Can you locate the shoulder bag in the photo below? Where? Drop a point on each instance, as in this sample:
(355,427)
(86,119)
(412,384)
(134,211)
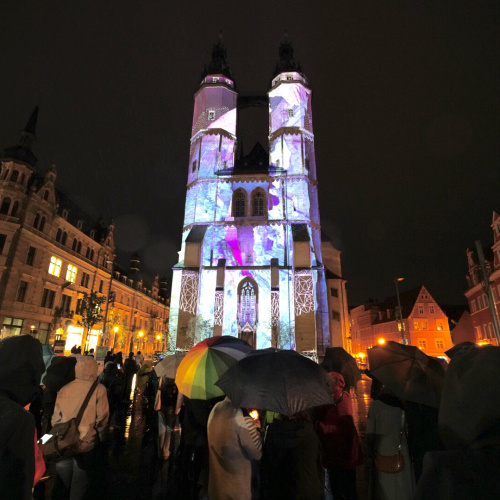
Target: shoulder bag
(65,441)
(392,464)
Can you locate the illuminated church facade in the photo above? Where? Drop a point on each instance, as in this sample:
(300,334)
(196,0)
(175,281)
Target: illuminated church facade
(251,262)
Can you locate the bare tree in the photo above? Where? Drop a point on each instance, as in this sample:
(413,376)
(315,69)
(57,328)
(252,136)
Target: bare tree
(90,310)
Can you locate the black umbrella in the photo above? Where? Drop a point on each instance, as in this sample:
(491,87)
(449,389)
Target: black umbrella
(60,372)
(277,380)
(460,348)
(407,372)
(339,360)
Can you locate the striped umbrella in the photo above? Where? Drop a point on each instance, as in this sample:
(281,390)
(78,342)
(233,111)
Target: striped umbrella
(205,363)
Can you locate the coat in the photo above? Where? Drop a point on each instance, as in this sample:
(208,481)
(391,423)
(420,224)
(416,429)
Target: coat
(21,366)
(291,462)
(382,433)
(339,438)
(235,446)
(70,399)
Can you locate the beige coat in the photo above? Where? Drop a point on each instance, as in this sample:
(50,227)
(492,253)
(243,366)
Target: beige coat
(70,398)
(235,446)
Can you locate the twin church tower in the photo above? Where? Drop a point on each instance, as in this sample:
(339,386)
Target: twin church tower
(251,261)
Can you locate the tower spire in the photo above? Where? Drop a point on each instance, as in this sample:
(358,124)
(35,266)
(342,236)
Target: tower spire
(218,65)
(27,136)
(286,61)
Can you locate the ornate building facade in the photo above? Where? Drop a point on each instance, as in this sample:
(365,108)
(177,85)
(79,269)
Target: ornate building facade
(483,314)
(251,257)
(52,253)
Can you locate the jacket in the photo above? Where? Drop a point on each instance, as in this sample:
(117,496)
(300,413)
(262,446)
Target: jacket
(235,446)
(70,399)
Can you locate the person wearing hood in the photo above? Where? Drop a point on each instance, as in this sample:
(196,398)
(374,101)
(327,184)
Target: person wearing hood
(21,366)
(72,475)
(340,441)
(469,426)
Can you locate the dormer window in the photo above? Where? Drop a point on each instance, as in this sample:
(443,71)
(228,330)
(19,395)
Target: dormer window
(92,233)
(79,224)
(215,80)
(65,214)
(211,115)
(289,78)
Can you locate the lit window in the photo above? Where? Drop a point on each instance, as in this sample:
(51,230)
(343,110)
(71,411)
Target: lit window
(290,113)
(211,115)
(71,273)
(55,266)
(247,304)
(424,325)
(439,344)
(416,325)
(422,343)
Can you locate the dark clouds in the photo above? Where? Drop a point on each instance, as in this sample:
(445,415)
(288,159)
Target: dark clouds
(405,115)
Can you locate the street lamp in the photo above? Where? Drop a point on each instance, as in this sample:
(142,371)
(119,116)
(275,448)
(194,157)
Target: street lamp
(115,329)
(141,334)
(399,316)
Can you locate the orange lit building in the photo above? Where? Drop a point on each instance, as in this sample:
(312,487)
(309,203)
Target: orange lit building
(425,324)
(480,312)
(52,252)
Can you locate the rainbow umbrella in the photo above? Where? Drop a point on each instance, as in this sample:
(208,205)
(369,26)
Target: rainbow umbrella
(205,363)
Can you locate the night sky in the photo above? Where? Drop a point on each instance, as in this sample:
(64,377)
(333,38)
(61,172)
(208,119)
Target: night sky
(405,111)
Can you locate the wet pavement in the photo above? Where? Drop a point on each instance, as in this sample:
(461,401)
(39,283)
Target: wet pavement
(128,466)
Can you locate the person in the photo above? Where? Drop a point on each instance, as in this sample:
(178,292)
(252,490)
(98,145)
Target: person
(130,368)
(109,357)
(91,352)
(168,405)
(340,441)
(235,447)
(74,474)
(74,349)
(113,380)
(291,460)
(139,359)
(385,429)
(469,426)
(21,366)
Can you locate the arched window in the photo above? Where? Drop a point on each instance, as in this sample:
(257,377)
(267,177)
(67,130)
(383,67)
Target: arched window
(36,221)
(258,202)
(87,253)
(79,247)
(4,208)
(73,246)
(59,235)
(248,303)
(42,224)
(22,179)
(14,176)
(92,255)
(239,203)
(64,238)
(15,209)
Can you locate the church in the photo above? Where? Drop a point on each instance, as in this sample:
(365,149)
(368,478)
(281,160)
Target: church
(251,263)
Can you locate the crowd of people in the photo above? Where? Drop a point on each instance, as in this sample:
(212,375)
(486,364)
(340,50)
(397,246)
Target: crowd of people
(227,452)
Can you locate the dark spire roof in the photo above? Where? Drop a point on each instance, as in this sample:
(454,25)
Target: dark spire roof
(286,61)
(218,65)
(255,161)
(22,151)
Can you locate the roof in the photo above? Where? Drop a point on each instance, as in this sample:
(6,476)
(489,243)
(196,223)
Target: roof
(218,65)
(407,299)
(286,61)
(257,161)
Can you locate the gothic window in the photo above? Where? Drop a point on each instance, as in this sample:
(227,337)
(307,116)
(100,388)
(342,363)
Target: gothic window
(4,209)
(15,209)
(248,303)
(59,235)
(14,176)
(42,224)
(79,247)
(239,203)
(64,238)
(73,246)
(36,221)
(258,202)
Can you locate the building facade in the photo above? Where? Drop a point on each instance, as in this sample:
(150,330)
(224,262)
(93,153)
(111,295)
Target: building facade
(481,313)
(425,324)
(251,261)
(52,253)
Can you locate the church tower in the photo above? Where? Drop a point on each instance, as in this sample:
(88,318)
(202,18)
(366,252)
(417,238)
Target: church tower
(250,263)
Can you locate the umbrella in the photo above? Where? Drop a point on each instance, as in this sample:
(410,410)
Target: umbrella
(60,372)
(167,367)
(460,348)
(339,360)
(407,372)
(277,380)
(205,363)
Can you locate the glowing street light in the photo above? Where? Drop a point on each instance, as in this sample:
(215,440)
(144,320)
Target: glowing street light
(399,315)
(381,341)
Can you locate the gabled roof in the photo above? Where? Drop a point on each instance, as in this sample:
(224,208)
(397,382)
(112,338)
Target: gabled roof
(407,299)
(257,161)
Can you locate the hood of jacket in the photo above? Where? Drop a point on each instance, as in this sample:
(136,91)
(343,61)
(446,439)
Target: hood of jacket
(21,367)
(85,368)
(339,384)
